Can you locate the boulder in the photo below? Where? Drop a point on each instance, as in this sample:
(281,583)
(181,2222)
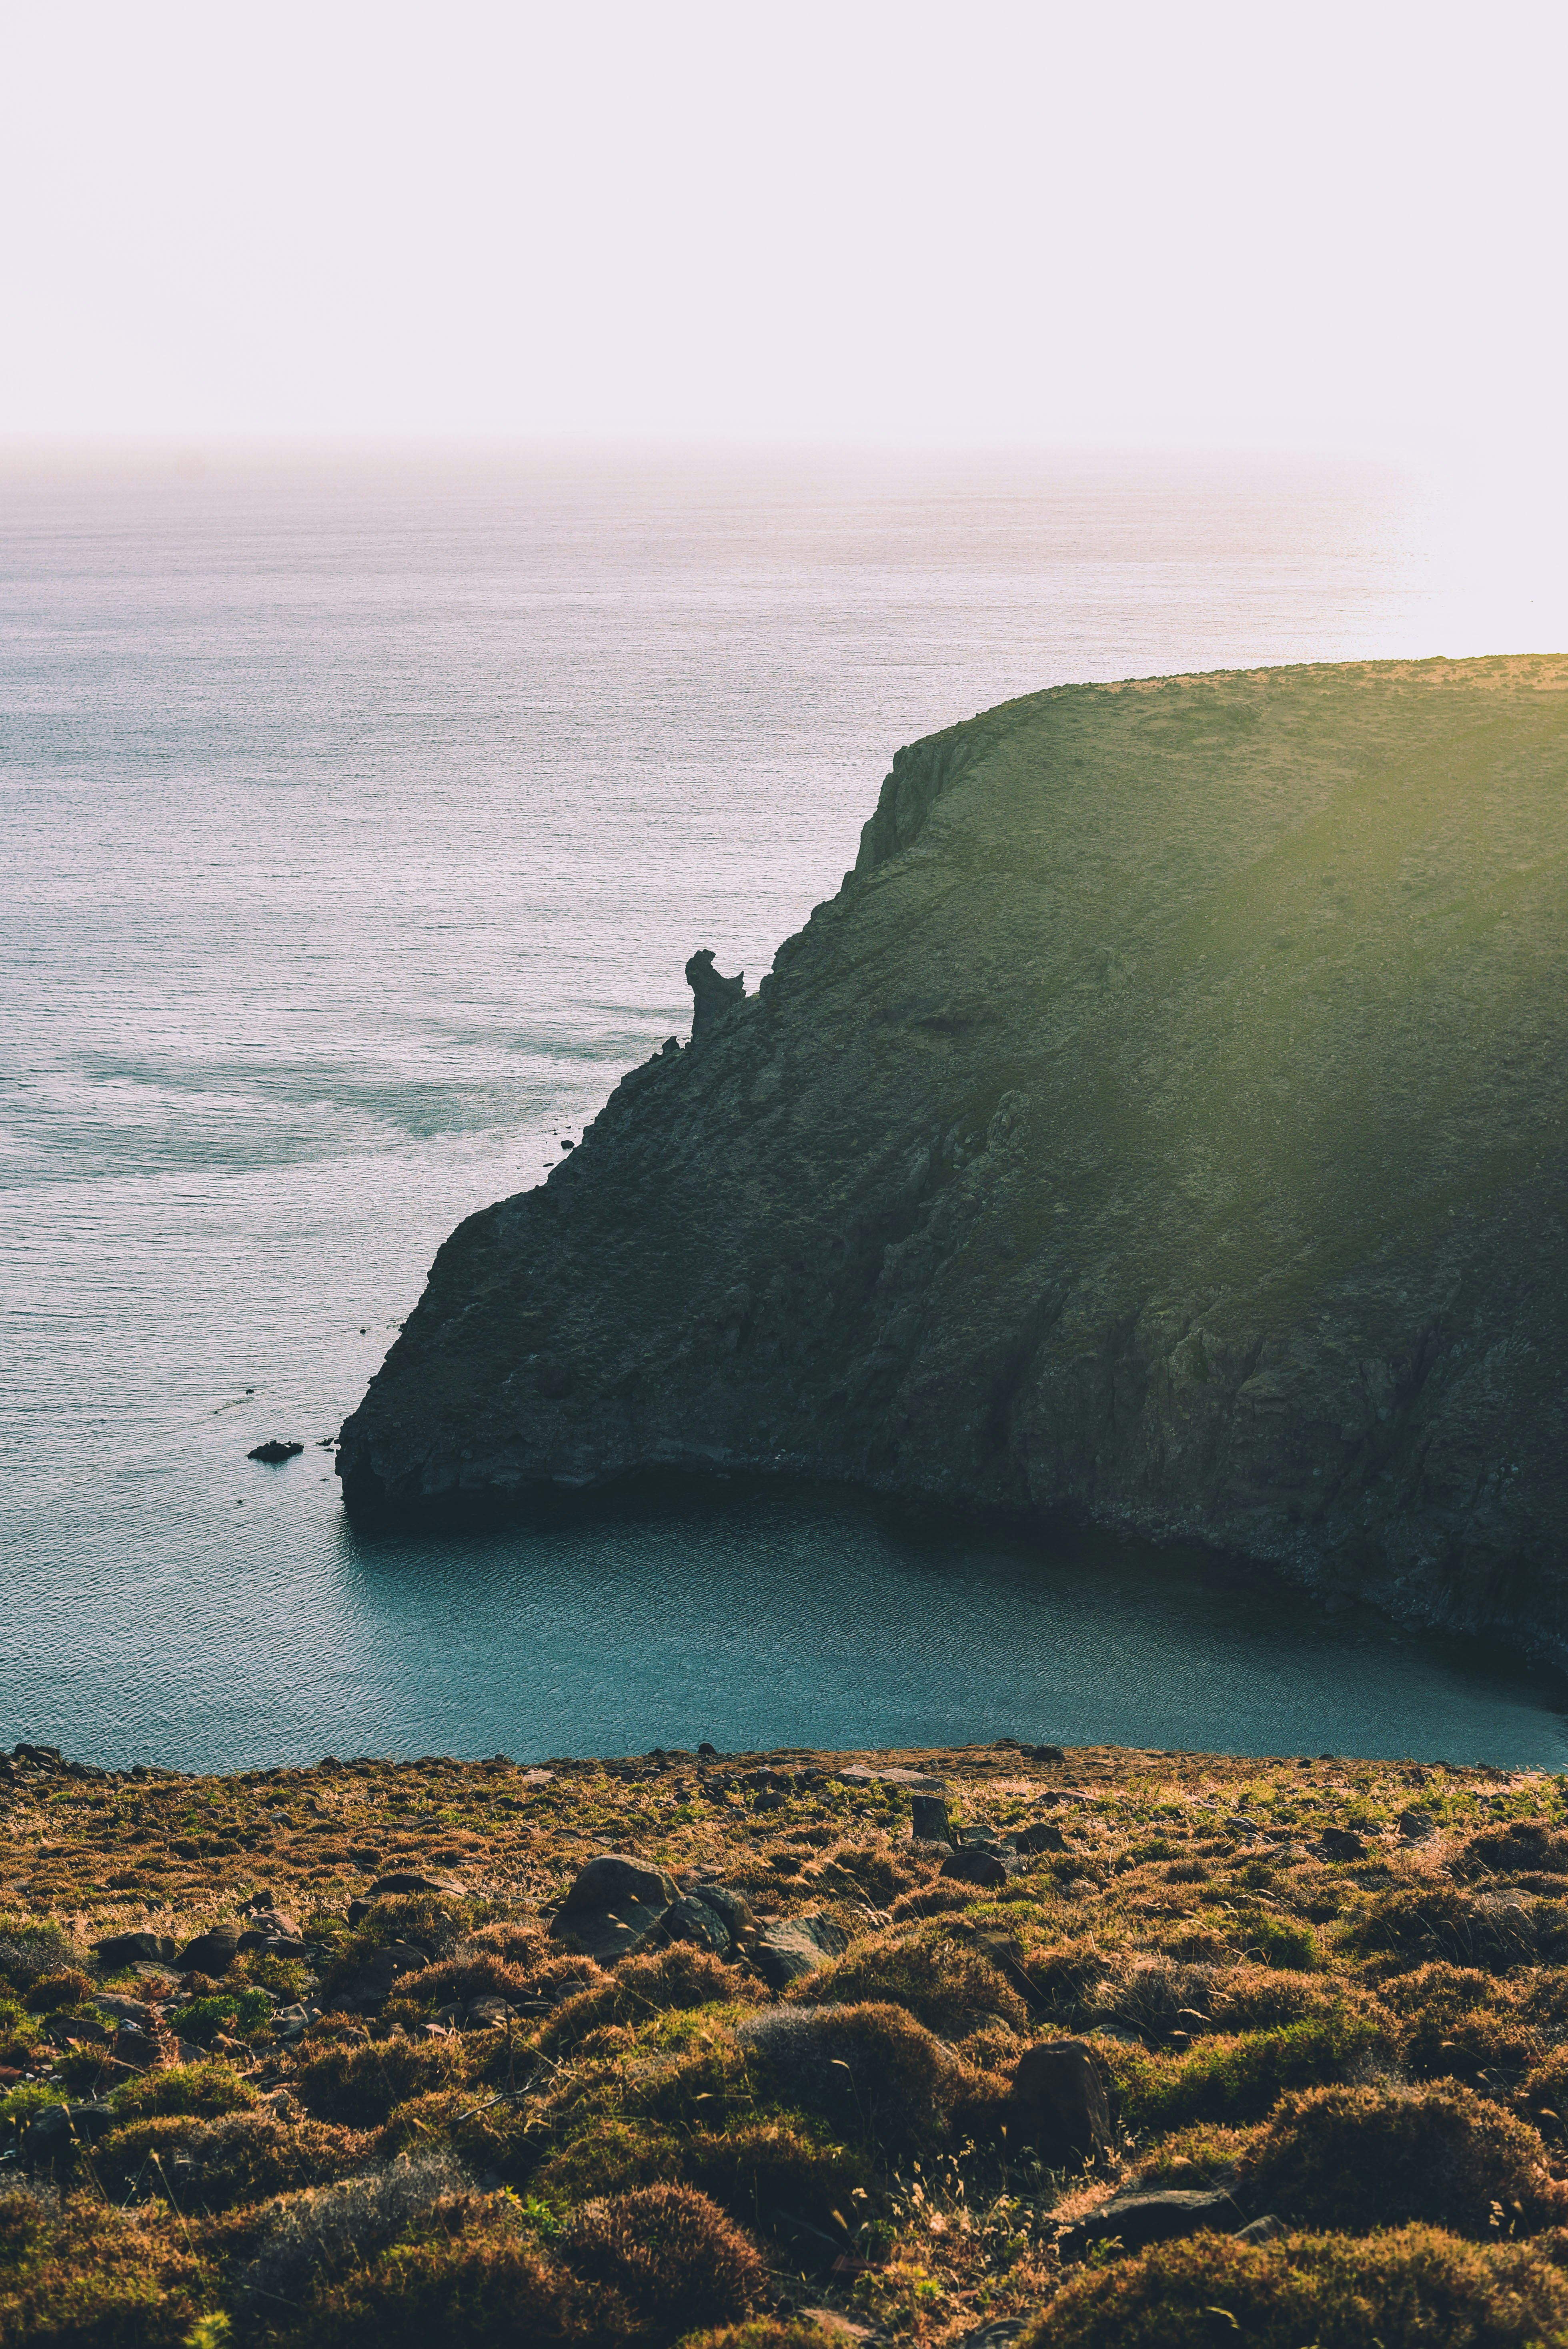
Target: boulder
(1415,1826)
(613,1908)
(374,1982)
(212,1952)
(1340,1843)
(798,1946)
(1140,2220)
(53,2134)
(274,1451)
(971,1863)
(1058,2101)
(691,1919)
(136,1949)
(929,1819)
(1043,1835)
(615,1880)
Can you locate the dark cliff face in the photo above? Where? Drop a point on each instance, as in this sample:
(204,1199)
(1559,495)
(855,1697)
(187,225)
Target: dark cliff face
(1165,1121)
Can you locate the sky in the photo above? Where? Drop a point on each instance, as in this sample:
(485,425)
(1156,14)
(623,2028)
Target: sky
(1337,228)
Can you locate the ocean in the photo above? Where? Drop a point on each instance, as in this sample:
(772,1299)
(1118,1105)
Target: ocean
(360,813)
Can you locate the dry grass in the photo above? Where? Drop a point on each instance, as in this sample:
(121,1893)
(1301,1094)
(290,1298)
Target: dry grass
(1373,2043)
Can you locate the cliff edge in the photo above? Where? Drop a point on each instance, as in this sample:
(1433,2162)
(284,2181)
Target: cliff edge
(1164,1122)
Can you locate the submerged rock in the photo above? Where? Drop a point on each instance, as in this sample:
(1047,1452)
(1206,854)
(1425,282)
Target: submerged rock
(1164,1122)
(273,1450)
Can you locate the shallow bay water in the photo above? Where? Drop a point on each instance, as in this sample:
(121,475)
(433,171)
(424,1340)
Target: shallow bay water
(360,817)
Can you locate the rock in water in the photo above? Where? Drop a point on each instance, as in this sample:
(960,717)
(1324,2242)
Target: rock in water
(1163,1122)
(274,1451)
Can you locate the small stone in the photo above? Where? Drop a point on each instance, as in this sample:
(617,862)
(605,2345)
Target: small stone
(410,1880)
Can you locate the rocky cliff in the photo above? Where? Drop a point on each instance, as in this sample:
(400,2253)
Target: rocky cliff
(1164,1122)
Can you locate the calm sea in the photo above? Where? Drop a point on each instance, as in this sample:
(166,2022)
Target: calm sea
(358,820)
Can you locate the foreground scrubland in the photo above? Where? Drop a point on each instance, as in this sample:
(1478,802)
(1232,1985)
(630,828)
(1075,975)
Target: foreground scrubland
(789,2099)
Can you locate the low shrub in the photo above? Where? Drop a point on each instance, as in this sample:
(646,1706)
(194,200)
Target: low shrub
(782,2163)
(611,2156)
(939,1899)
(1359,2158)
(873,2073)
(484,2285)
(433,1921)
(28,1949)
(1411,1928)
(491,2136)
(768,2333)
(310,2235)
(361,2082)
(237,2014)
(1416,2289)
(48,1992)
(945,1984)
(1264,1998)
(1204,2154)
(88,2277)
(200,2090)
(670,2253)
(243,2158)
(1237,2078)
(679,1979)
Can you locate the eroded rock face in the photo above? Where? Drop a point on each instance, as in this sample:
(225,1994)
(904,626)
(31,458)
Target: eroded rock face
(1163,1122)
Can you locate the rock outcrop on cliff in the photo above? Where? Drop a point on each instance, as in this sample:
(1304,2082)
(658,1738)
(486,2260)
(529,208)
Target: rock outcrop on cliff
(1165,1122)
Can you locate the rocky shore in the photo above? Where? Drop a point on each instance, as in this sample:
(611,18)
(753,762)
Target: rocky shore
(784,2051)
(1163,1124)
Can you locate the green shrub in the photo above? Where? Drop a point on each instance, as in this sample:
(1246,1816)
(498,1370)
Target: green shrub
(947,1985)
(670,2253)
(1414,2290)
(491,2136)
(1359,2158)
(236,2013)
(200,2090)
(1239,2078)
(611,2156)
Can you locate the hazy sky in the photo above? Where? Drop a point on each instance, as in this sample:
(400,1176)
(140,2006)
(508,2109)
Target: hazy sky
(1335,227)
